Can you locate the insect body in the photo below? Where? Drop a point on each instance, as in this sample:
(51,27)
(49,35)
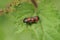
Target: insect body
(31,20)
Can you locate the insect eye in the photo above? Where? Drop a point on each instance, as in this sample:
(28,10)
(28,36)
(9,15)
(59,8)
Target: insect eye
(29,19)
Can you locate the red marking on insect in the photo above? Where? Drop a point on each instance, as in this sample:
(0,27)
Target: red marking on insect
(31,20)
(36,18)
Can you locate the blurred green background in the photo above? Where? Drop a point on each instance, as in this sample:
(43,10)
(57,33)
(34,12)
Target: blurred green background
(13,28)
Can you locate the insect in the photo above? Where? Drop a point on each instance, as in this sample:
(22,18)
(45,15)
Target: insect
(31,20)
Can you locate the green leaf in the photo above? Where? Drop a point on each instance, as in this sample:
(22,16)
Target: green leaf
(47,28)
